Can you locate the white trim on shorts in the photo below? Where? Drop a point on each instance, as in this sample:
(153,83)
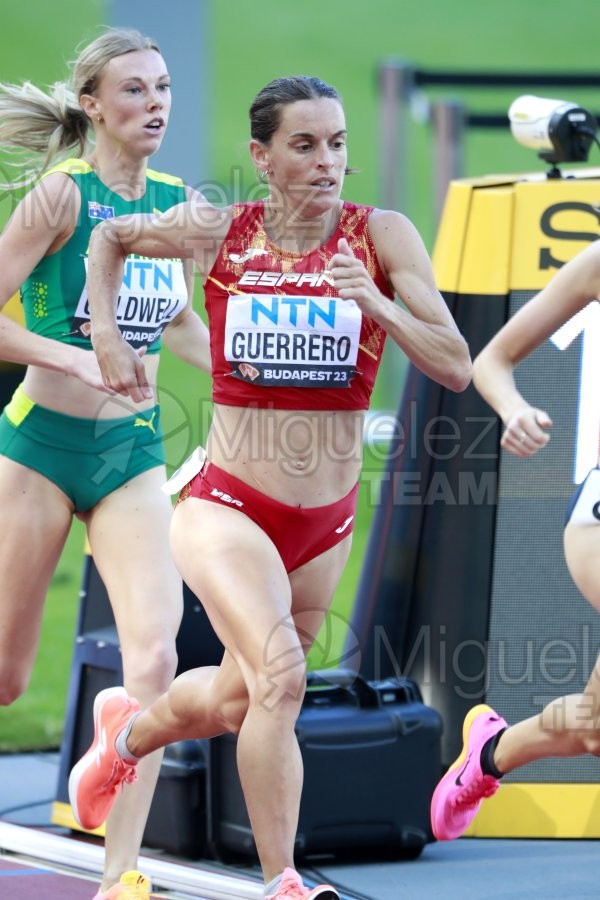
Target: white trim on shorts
(586,510)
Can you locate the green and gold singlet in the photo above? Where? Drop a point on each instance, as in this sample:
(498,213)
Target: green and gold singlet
(153,290)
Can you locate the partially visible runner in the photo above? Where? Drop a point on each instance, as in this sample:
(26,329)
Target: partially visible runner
(68,446)
(569,725)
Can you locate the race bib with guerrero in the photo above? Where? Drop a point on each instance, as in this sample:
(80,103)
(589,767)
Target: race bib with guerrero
(152,294)
(284,341)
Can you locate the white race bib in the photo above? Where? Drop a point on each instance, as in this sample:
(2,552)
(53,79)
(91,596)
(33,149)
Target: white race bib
(285,341)
(152,294)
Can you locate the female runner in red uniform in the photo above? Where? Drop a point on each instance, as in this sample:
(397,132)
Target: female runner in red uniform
(300,296)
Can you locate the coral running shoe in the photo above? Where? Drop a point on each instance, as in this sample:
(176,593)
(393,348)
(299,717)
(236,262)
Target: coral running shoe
(95,781)
(291,888)
(131,886)
(457,798)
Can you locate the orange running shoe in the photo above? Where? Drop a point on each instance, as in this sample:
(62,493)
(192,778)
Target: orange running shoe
(95,780)
(292,888)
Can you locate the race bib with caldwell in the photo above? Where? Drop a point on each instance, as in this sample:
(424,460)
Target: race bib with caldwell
(153,292)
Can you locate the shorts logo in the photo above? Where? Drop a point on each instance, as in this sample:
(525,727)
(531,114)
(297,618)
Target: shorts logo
(343,527)
(146,423)
(226,498)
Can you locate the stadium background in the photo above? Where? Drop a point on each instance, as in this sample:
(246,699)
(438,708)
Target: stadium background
(243,46)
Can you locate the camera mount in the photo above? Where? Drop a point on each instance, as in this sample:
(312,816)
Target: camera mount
(561,132)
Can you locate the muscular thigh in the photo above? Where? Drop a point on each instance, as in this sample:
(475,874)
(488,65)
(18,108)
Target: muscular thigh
(129,539)
(313,587)
(582,553)
(238,575)
(35,521)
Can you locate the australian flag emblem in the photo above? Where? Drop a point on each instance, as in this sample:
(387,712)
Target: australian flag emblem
(96,211)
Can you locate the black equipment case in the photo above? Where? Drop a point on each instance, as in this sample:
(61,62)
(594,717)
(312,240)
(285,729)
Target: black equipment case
(177,819)
(372,758)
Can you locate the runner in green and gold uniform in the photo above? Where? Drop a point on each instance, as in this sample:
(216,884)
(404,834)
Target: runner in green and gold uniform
(68,446)
(71,450)
(154,292)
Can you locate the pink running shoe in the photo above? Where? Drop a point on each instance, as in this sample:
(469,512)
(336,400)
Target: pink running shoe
(94,782)
(457,797)
(132,886)
(291,888)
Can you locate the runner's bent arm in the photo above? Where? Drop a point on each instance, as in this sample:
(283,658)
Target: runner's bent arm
(426,332)
(42,223)
(185,231)
(570,290)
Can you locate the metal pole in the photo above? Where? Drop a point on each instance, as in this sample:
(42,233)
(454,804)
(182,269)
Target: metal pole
(396,83)
(185,38)
(448,120)
(77,856)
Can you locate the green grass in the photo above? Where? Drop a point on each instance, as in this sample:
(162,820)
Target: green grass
(343,42)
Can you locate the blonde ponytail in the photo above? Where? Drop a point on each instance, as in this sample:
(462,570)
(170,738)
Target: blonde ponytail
(52,125)
(49,125)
